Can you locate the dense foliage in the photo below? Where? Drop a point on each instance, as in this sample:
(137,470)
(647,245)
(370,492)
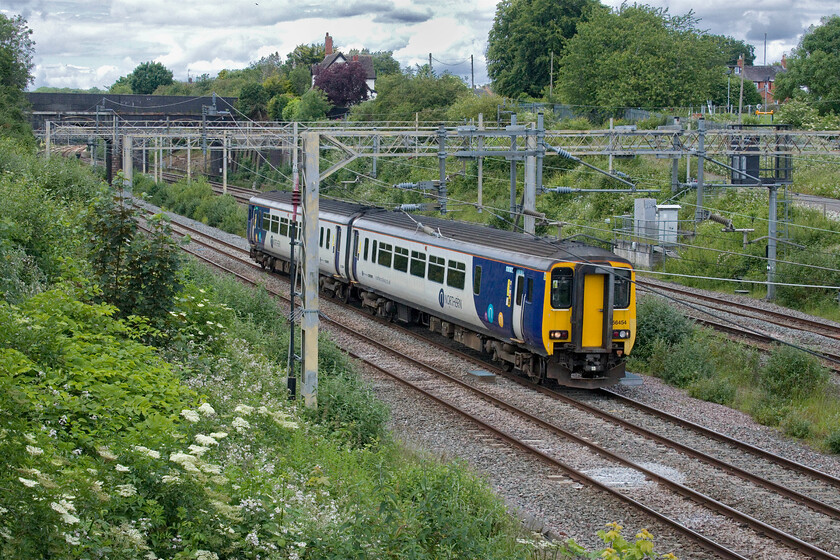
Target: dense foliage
(524,35)
(136,273)
(813,68)
(345,84)
(639,56)
(402,96)
(149,76)
(16,50)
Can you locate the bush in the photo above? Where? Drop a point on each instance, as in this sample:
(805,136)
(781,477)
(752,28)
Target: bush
(136,273)
(715,389)
(833,441)
(792,373)
(796,426)
(346,405)
(658,320)
(686,363)
(769,411)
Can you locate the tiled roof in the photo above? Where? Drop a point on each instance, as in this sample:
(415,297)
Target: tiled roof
(762,73)
(364,59)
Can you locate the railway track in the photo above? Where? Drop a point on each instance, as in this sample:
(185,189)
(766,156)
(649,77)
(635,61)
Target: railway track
(826,485)
(748,311)
(720,305)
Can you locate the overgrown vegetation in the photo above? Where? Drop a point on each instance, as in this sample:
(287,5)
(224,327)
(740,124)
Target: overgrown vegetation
(195,199)
(787,388)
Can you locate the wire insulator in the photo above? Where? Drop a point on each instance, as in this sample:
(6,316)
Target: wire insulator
(563,153)
(721,220)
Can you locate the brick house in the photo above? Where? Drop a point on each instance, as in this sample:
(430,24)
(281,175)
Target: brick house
(333,57)
(764,77)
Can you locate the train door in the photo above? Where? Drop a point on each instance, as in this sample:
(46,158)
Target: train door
(339,266)
(592,333)
(252,223)
(518,301)
(593,308)
(353,256)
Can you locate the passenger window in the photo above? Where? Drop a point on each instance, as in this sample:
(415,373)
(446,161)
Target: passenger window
(418,264)
(401,259)
(436,269)
(329,230)
(477,280)
(321,238)
(384,258)
(520,284)
(621,293)
(456,274)
(561,288)
(367,243)
(284,227)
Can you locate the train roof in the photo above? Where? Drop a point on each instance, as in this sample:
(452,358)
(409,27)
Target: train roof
(465,232)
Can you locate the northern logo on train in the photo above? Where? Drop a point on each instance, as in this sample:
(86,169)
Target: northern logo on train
(440,298)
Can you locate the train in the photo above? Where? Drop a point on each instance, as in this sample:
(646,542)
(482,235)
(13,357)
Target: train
(552,309)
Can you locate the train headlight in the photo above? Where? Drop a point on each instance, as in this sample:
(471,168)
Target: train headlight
(622,334)
(558,335)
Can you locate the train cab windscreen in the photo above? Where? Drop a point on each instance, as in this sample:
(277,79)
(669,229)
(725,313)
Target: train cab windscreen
(621,295)
(561,288)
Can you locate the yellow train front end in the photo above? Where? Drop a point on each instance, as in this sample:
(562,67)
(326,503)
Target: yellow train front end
(589,322)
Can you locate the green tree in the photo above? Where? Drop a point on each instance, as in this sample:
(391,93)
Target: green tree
(276,85)
(813,68)
(313,106)
(735,48)
(136,273)
(639,56)
(305,55)
(253,100)
(290,110)
(122,85)
(300,80)
(146,78)
(16,50)
(523,36)
(277,104)
(400,96)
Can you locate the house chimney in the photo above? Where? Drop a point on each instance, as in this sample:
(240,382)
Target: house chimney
(328,46)
(355,58)
(741,62)
(784,61)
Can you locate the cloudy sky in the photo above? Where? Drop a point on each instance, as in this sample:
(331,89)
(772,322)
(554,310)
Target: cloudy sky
(93,42)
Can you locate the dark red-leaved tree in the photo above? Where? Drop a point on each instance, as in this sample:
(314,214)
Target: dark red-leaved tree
(344,83)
